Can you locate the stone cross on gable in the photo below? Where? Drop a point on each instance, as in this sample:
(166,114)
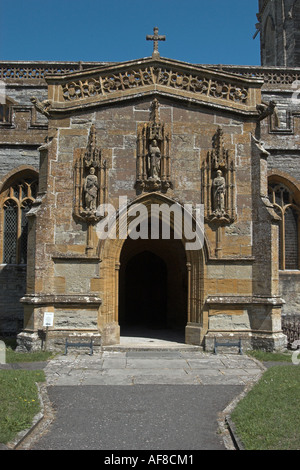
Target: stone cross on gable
(155,38)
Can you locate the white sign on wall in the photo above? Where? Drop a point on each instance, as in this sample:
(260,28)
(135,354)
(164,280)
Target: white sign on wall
(48,318)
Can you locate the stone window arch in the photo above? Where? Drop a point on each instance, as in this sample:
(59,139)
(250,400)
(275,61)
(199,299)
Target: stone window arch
(16,198)
(286,203)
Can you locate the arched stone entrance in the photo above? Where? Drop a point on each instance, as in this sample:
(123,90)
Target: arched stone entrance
(182,302)
(153,284)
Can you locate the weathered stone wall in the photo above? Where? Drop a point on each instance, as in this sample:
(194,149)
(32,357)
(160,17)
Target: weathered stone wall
(13,287)
(283,144)
(20,139)
(74,276)
(290,292)
(279,30)
(17,157)
(282,141)
(25,131)
(192,129)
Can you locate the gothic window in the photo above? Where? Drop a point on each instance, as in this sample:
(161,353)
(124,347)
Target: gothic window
(270,42)
(284,203)
(16,201)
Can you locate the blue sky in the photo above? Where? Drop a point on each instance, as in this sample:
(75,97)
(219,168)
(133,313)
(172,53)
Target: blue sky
(197,31)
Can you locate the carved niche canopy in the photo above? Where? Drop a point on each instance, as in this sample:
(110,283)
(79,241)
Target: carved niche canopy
(90,180)
(218,182)
(153,154)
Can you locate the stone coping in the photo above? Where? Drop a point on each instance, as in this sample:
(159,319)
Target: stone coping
(47,299)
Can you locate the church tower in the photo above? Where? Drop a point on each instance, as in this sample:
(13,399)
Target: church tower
(279,26)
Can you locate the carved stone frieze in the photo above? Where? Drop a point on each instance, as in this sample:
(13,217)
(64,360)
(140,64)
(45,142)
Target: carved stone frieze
(200,83)
(153,154)
(90,180)
(218,182)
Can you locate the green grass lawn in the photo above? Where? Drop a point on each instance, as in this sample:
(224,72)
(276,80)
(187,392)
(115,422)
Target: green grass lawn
(271,356)
(37,356)
(19,401)
(268,417)
(12,356)
(18,392)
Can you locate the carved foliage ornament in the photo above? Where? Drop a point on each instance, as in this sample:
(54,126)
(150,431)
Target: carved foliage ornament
(198,83)
(153,154)
(218,182)
(90,180)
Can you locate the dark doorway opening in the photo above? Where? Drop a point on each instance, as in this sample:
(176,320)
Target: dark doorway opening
(153,286)
(146,291)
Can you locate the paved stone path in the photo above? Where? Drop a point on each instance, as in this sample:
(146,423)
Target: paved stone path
(152,367)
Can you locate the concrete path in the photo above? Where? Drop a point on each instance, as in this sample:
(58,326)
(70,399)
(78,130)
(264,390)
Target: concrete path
(123,419)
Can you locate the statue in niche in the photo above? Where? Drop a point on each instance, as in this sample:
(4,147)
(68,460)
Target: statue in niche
(219,190)
(154,160)
(219,182)
(91,187)
(153,163)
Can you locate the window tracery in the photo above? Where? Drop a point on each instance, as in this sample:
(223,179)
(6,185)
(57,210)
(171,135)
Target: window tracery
(285,205)
(15,202)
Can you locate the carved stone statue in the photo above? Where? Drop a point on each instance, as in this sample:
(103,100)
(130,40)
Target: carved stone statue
(154,160)
(90,188)
(219,190)
(153,163)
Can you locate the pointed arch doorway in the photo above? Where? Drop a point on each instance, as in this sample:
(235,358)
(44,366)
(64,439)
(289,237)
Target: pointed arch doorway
(181,305)
(153,285)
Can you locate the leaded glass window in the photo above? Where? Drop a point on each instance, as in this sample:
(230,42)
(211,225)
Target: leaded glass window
(284,204)
(10,231)
(16,202)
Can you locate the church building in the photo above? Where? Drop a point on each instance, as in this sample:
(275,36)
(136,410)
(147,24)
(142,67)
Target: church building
(153,193)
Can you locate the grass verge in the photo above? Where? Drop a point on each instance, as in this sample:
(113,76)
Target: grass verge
(271,356)
(13,356)
(268,417)
(19,401)
(37,356)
